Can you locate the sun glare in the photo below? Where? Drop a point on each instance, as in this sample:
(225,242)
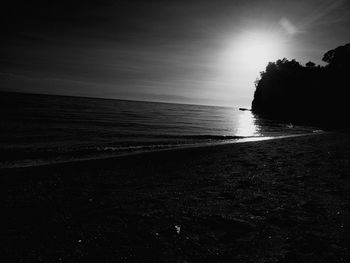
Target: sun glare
(252,51)
(243,56)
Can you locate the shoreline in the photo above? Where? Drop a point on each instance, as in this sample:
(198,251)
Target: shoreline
(29,163)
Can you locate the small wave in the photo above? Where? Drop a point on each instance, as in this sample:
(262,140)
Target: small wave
(63,154)
(102,152)
(186,136)
(215,137)
(136,147)
(184,140)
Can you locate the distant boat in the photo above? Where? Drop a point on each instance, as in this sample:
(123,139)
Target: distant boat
(243,109)
(290,126)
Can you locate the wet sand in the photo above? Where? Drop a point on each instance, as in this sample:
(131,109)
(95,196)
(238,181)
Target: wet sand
(284,200)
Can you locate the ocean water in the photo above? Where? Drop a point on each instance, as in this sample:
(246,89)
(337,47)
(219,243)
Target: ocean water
(41,129)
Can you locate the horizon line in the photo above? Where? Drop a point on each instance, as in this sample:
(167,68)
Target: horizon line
(121,99)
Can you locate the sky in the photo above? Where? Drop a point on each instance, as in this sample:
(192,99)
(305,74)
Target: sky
(181,51)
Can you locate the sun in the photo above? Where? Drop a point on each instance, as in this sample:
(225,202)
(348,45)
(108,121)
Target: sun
(256,53)
(253,50)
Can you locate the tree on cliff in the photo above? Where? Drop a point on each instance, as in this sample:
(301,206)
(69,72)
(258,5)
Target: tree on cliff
(289,91)
(338,57)
(310,64)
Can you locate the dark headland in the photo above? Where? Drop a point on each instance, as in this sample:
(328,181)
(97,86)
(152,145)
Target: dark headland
(308,94)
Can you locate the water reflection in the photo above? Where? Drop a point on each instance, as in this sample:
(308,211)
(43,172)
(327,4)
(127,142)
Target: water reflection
(247,124)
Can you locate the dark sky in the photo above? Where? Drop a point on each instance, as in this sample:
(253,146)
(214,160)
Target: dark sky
(177,51)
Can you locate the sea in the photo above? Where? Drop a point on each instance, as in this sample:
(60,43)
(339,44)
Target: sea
(44,129)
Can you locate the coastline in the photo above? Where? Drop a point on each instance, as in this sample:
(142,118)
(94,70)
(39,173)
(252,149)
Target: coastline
(38,163)
(246,202)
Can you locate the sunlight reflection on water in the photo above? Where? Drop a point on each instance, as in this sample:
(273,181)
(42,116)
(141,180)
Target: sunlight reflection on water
(247,125)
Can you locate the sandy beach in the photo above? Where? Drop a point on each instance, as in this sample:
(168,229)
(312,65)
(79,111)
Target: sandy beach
(284,200)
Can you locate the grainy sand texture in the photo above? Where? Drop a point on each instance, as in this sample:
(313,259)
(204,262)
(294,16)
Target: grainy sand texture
(283,200)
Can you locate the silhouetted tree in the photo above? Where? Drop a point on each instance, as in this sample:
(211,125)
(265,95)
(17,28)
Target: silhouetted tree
(310,64)
(339,57)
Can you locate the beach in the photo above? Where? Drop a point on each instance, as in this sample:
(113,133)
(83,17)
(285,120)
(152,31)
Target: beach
(284,200)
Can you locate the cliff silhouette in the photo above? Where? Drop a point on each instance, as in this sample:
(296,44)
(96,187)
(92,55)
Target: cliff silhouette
(309,94)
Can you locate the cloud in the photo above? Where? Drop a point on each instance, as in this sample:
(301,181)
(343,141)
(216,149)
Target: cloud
(288,26)
(324,14)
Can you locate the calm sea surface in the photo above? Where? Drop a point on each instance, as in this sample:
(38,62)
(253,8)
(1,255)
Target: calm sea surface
(39,129)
